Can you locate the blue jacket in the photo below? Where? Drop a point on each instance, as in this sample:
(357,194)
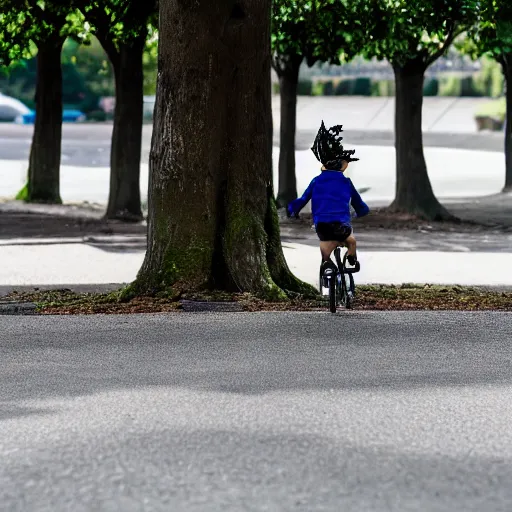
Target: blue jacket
(331,194)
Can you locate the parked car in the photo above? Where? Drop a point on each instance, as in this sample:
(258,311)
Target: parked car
(13,110)
(68,116)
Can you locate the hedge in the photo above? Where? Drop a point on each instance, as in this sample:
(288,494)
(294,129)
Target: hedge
(496,109)
(431,87)
(488,82)
(383,88)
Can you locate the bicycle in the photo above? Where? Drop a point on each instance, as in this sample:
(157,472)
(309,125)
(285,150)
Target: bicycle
(340,284)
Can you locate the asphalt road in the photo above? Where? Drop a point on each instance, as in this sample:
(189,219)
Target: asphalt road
(257,412)
(88,144)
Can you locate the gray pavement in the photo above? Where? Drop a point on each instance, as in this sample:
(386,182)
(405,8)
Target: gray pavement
(260,412)
(448,115)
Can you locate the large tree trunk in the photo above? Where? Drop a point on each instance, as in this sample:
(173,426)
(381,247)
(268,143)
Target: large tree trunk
(44,162)
(414,194)
(124,201)
(507,70)
(288,72)
(212,218)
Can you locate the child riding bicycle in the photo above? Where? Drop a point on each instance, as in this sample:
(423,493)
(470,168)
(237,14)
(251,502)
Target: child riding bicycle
(332,194)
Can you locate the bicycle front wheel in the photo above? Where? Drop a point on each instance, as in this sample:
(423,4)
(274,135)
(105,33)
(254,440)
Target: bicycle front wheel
(347,289)
(332,294)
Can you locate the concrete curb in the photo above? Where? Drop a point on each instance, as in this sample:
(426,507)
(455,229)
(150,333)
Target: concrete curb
(192,306)
(188,306)
(18,308)
(76,288)
(88,239)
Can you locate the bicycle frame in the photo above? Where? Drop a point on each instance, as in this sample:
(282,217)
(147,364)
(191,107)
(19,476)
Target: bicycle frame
(340,283)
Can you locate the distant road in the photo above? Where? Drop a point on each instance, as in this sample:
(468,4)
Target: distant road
(88,144)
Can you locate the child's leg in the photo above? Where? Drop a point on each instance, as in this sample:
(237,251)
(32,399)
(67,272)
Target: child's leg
(326,249)
(351,244)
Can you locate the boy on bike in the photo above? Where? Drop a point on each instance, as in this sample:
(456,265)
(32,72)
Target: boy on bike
(332,194)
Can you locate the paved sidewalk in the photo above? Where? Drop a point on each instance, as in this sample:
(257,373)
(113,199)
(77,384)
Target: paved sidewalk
(95,263)
(449,115)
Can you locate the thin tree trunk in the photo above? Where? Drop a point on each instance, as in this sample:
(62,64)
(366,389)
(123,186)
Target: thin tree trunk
(414,194)
(212,219)
(288,80)
(124,201)
(507,70)
(44,162)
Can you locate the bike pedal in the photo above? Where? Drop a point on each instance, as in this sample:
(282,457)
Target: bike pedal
(353,270)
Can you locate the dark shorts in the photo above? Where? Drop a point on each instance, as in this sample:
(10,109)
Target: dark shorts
(333,231)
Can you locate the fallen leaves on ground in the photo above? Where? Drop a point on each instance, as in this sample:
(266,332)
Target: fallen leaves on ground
(432,297)
(376,297)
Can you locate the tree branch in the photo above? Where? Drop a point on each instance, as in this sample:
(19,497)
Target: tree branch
(452,34)
(102,23)
(500,59)
(55,18)
(274,65)
(110,48)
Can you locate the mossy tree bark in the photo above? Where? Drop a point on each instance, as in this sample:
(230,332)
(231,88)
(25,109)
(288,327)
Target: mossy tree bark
(124,202)
(44,161)
(212,218)
(506,62)
(414,192)
(287,69)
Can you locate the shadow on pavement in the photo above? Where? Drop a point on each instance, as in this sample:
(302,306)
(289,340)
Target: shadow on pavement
(252,354)
(231,470)
(174,408)
(37,225)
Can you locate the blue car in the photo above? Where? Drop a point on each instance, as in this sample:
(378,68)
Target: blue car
(68,116)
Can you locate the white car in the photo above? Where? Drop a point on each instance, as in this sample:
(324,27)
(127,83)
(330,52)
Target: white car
(12,109)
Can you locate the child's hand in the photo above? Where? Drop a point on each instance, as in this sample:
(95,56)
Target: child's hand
(291,212)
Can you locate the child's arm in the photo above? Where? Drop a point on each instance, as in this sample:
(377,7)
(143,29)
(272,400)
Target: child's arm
(296,206)
(357,203)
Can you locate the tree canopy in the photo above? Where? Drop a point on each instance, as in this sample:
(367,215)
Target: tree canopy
(25,25)
(318,30)
(419,30)
(117,22)
(491,34)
